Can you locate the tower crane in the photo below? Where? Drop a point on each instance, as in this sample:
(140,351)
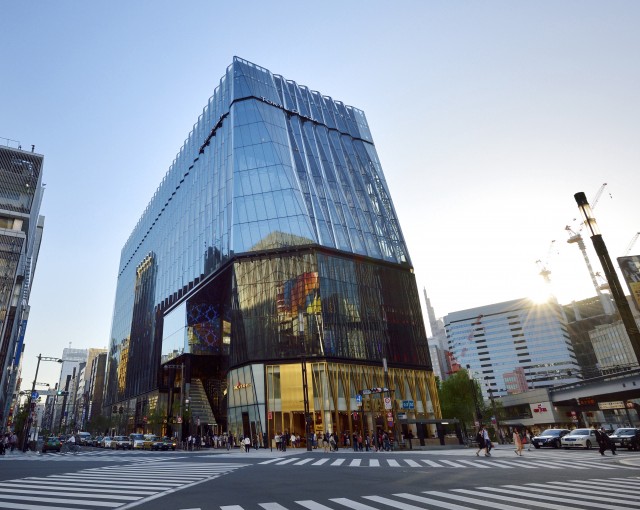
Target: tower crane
(576,238)
(631,243)
(545,272)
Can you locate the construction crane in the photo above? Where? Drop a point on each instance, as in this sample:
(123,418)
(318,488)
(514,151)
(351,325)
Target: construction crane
(631,243)
(576,238)
(545,272)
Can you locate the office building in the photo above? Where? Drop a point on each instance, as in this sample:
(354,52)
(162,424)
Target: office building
(270,251)
(21,227)
(613,348)
(493,341)
(73,361)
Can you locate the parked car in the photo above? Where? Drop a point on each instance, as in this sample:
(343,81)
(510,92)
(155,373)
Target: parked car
(626,438)
(137,441)
(579,438)
(97,441)
(106,442)
(50,444)
(121,443)
(550,437)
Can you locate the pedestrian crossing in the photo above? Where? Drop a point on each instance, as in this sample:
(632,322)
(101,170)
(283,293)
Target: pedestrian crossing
(92,455)
(107,486)
(470,463)
(606,494)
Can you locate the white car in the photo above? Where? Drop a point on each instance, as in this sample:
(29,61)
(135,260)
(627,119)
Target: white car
(579,438)
(106,442)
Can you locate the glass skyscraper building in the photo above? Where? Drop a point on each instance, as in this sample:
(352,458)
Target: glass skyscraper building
(270,251)
(495,342)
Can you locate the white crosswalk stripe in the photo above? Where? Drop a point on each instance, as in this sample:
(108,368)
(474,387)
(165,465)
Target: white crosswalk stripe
(567,495)
(101,455)
(110,486)
(471,463)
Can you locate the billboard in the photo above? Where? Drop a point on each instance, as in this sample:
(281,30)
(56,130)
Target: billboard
(630,267)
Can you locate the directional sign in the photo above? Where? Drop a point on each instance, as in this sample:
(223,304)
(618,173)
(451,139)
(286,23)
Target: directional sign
(408,404)
(359,399)
(369,391)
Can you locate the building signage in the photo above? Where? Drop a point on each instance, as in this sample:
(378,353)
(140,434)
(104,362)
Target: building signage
(242,386)
(540,409)
(630,267)
(618,404)
(408,404)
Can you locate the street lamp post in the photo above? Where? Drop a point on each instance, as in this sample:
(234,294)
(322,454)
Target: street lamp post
(305,385)
(30,399)
(181,367)
(493,406)
(610,273)
(478,414)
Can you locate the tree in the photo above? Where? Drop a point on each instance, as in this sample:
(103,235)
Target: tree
(461,398)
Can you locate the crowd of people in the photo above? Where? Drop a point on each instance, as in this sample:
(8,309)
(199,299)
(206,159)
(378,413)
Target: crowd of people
(8,443)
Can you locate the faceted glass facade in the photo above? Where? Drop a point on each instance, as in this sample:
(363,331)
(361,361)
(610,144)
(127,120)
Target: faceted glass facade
(272,234)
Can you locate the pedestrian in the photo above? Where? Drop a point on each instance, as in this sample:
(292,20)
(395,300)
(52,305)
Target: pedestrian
(529,436)
(480,440)
(517,441)
(247,444)
(487,442)
(604,442)
(325,442)
(13,442)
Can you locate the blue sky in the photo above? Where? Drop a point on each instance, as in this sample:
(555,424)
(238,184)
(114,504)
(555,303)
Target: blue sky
(487,117)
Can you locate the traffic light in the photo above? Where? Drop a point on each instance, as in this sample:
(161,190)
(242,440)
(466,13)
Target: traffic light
(62,393)
(121,410)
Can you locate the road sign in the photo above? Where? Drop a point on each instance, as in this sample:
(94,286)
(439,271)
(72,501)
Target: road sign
(369,391)
(408,404)
(179,419)
(34,394)
(359,399)
(387,402)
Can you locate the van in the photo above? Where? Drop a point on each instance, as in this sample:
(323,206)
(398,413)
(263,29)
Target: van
(83,438)
(137,441)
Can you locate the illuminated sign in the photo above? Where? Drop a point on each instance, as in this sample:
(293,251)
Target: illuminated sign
(242,386)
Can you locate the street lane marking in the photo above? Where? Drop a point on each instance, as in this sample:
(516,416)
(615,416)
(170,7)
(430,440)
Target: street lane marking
(320,462)
(353,505)
(355,462)
(338,462)
(303,461)
(312,505)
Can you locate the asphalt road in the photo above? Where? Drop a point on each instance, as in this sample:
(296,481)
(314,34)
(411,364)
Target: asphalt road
(297,479)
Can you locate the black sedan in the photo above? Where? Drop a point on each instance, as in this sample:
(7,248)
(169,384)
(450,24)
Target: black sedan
(626,438)
(550,437)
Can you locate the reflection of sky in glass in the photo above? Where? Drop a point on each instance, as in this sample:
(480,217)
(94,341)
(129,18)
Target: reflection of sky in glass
(174,333)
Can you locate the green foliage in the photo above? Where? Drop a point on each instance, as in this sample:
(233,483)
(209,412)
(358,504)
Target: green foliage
(457,398)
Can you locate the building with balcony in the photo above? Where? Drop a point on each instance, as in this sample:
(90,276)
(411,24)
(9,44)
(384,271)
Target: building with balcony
(268,271)
(21,228)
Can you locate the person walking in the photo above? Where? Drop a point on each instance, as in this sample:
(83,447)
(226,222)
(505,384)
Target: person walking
(517,441)
(604,442)
(480,440)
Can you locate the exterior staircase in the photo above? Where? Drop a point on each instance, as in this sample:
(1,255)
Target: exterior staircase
(199,404)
